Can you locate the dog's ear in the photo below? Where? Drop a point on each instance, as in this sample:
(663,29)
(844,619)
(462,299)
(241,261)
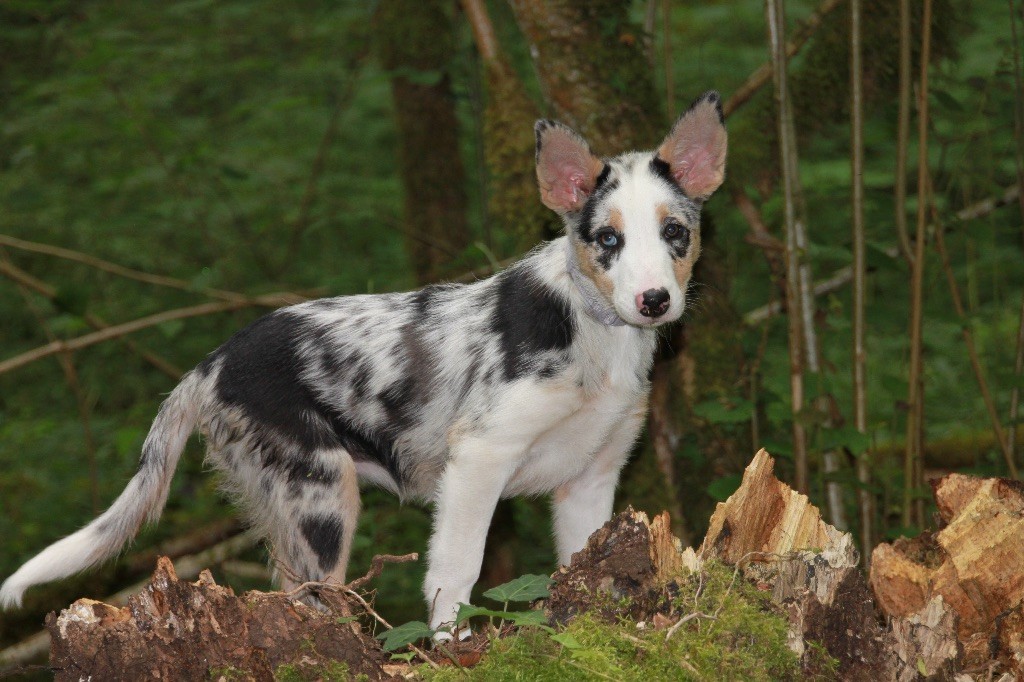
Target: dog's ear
(695,148)
(566,168)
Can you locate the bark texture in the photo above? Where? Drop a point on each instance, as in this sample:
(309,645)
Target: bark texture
(415,41)
(593,70)
(175,630)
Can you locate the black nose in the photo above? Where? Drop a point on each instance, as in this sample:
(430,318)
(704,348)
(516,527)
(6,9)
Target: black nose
(655,302)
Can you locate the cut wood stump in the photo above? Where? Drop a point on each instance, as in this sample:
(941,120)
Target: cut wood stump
(179,630)
(975,562)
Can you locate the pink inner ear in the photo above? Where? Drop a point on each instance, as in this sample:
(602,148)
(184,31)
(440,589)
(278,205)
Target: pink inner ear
(698,172)
(565,170)
(695,151)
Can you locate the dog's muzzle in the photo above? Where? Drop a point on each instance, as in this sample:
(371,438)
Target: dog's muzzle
(653,302)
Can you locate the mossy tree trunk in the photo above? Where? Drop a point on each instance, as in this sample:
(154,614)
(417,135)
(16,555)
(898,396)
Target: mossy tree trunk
(509,143)
(415,41)
(593,70)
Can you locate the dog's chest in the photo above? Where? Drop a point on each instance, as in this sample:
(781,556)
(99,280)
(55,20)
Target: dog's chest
(596,402)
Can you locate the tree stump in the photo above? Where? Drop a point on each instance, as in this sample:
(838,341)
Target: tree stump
(974,562)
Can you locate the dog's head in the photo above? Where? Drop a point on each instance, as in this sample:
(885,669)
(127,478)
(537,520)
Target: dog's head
(634,220)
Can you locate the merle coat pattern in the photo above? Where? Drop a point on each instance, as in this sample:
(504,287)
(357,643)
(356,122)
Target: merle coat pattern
(534,381)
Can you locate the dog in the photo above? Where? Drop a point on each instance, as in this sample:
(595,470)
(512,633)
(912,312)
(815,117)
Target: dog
(534,381)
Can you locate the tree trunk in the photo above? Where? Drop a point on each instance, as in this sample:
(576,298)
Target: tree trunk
(593,70)
(415,41)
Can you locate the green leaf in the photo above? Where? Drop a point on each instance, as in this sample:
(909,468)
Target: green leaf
(405,634)
(720,413)
(721,488)
(521,618)
(524,588)
(846,437)
(407,656)
(947,100)
(567,640)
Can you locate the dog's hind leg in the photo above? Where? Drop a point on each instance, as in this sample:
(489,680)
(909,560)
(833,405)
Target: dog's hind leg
(314,509)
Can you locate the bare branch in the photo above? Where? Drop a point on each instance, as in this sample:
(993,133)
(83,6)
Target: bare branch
(272,301)
(763,73)
(21,277)
(913,508)
(843,276)
(972,352)
(865,499)
(116,332)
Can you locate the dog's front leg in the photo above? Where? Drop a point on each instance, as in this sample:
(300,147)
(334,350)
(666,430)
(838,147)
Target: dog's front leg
(584,504)
(469,489)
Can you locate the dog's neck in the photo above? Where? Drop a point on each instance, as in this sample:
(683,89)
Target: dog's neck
(593,302)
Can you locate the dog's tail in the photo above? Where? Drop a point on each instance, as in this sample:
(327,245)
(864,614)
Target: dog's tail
(142,500)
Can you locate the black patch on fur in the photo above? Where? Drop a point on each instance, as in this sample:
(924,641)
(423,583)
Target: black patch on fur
(324,535)
(476,354)
(530,318)
(680,244)
(261,375)
(206,365)
(605,257)
(402,401)
(602,177)
(585,227)
(662,170)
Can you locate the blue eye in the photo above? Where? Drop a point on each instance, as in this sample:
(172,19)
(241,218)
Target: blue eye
(608,239)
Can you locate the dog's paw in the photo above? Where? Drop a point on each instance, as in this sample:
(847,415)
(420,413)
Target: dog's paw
(444,636)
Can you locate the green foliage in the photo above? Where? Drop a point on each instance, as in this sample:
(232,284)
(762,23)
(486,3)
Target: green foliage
(526,588)
(740,636)
(405,634)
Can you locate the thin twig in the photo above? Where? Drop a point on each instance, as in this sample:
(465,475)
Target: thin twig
(686,619)
(865,499)
(774,14)
(19,276)
(972,352)
(843,276)
(67,365)
(666,32)
(377,566)
(913,471)
(380,619)
(271,301)
(1018,134)
(763,73)
(344,99)
(116,331)
(903,134)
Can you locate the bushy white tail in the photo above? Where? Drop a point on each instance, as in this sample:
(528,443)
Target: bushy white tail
(142,500)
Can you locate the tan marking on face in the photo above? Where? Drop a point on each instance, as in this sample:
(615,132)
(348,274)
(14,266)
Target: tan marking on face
(590,269)
(662,212)
(616,221)
(683,267)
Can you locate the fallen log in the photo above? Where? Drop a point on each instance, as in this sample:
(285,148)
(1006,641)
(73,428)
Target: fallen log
(180,630)
(185,567)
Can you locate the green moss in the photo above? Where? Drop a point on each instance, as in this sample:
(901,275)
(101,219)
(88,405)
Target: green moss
(325,671)
(740,636)
(227,673)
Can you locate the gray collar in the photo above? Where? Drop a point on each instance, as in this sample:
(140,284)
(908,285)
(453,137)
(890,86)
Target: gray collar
(593,302)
